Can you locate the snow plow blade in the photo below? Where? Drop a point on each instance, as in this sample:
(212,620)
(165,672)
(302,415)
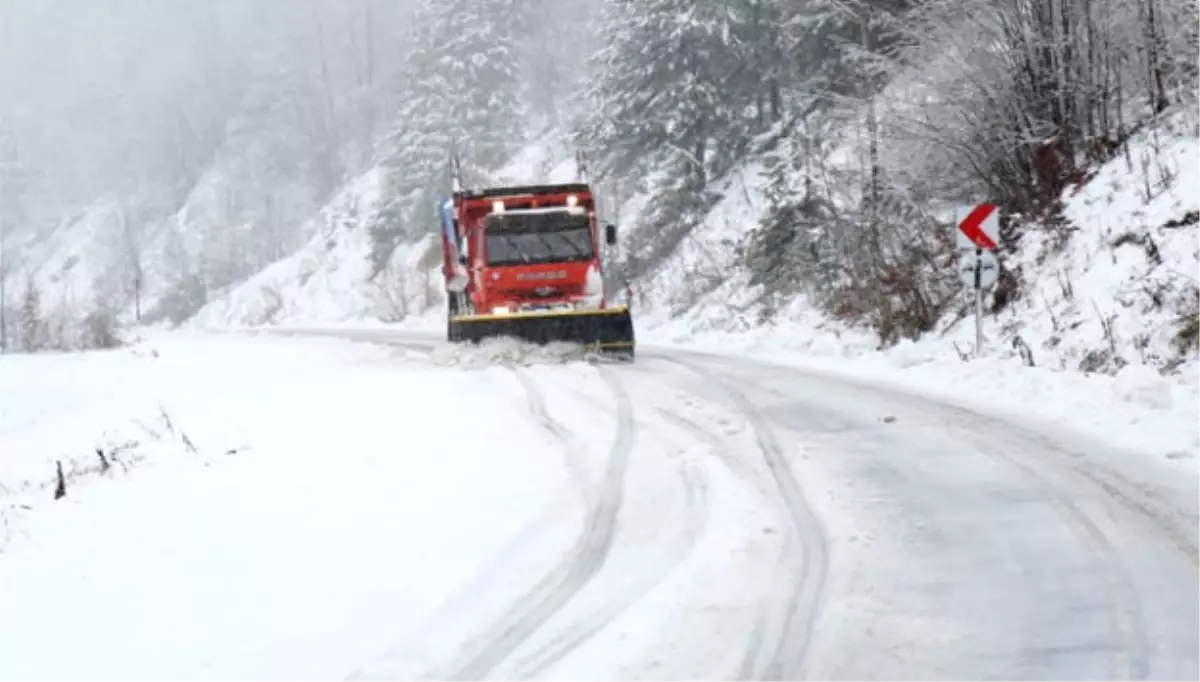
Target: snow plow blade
(609,332)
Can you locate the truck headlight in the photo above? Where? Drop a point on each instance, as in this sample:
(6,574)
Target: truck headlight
(501,310)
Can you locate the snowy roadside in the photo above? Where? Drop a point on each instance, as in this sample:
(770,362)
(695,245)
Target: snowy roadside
(311,501)
(1116,291)
(159,397)
(1137,410)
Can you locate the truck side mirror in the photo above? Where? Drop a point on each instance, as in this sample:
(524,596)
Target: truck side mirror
(610,234)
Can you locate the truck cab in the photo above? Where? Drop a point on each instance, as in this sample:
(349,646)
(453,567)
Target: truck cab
(527,249)
(525,262)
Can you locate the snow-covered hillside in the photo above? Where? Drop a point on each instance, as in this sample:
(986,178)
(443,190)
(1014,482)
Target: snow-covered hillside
(331,279)
(1118,291)
(130,255)
(1121,289)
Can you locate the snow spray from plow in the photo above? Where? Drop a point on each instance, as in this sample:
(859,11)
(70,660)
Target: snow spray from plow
(509,351)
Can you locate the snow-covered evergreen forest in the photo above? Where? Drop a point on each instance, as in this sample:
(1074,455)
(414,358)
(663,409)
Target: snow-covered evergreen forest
(171,152)
(935,103)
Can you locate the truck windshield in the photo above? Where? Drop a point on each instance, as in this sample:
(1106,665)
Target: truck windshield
(532,238)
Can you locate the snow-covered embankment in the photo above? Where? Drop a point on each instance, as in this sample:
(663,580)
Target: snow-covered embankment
(272,508)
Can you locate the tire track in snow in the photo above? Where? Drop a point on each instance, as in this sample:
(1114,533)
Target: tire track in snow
(1141,501)
(997,440)
(758,632)
(796,600)
(578,567)
(695,486)
(575,636)
(1126,620)
(572,448)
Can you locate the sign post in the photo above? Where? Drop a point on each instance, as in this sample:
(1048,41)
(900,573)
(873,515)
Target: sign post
(977,237)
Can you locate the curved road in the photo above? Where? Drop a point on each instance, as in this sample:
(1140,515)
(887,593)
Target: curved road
(807,526)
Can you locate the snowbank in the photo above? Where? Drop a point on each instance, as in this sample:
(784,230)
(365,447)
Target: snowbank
(309,503)
(76,268)
(1123,280)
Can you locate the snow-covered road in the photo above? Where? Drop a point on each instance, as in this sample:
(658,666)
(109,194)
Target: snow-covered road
(879,535)
(688,516)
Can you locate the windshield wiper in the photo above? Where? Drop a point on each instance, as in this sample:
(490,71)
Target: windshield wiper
(553,249)
(514,244)
(551,254)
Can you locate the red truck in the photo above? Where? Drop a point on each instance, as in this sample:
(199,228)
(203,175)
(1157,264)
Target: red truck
(524,262)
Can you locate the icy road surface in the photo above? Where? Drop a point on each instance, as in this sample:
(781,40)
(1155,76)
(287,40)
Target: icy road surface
(400,512)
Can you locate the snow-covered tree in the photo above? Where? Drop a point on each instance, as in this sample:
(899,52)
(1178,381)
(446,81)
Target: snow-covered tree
(463,82)
(460,96)
(33,325)
(1039,90)
(794,246)
(558,36)
(661,86)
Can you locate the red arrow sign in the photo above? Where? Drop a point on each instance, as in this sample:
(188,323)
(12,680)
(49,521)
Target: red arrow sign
(972,226)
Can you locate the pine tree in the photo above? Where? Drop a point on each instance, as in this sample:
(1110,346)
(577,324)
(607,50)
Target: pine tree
(557,35)
(769,247)
(461,96)
(33,327)
(761,29)
(463,84)
(661,85)
(795,243)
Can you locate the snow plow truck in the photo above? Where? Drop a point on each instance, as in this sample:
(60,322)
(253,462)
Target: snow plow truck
(524,262)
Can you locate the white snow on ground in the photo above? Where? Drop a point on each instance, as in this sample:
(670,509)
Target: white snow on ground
(310,501)
(64,264)
(1104,272)
(318,509)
